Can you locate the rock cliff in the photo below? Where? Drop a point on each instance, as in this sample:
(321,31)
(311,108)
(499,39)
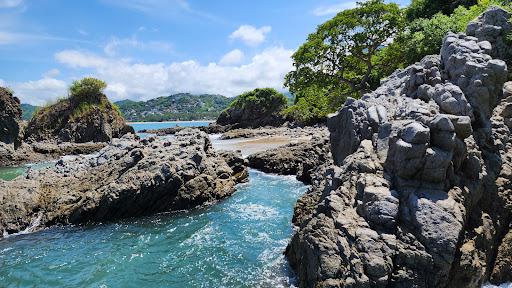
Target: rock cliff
(10,117)
(420,191)
(127,178)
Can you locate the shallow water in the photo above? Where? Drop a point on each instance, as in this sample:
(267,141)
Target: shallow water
(236,243)
(160,125)
(9,173)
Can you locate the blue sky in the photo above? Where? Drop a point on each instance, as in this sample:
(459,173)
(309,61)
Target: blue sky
(145,49)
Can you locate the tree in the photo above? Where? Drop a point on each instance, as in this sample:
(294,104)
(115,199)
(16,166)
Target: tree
(339,56)
(428,8)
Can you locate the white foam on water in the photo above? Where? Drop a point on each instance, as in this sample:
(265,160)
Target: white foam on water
(254,211)
(34,224)
(504,285)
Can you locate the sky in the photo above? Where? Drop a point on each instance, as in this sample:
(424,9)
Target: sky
(149,48)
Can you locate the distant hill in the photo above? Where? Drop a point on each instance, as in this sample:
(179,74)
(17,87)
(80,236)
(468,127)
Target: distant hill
(183,106)
(28,111)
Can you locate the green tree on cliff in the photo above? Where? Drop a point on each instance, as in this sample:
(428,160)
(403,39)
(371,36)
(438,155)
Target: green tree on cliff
(340,55)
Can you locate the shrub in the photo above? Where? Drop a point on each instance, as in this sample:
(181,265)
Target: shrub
(87,90)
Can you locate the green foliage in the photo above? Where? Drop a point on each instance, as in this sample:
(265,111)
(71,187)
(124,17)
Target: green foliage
(340,54)
(87,89)
(262,98)
(425,36)
(312,106)
(428,8)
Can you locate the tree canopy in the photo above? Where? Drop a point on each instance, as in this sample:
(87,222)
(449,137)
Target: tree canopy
(339,56)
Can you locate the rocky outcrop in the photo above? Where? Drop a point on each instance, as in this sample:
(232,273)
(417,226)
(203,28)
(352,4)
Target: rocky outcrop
(125,179)
(257,108)
(420,194)
(10,117)
(70,120)
(301,158)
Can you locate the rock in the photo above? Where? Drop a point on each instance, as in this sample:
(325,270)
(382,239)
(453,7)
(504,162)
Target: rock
(257,108)
(423,196)
(300,159)
(502,271)
(69,121)
(10,117)
(127,178)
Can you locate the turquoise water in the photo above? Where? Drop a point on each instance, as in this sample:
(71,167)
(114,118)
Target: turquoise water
(236,243)
(9,173)
(160,125)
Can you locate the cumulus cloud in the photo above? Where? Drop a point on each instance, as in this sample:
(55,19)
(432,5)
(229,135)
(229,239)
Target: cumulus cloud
(251,35)
(10,3)
(141,81)
(39,92)
(333,9)
(233,57)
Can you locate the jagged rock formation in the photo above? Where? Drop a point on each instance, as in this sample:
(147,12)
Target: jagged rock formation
(125,179)
(420,194)
(77,120)
(301,158)
(10,117)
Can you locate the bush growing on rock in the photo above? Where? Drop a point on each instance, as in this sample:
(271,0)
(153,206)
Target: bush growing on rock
(86,115)
(256,108)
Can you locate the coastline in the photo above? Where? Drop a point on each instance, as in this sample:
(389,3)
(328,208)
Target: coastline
(191,121)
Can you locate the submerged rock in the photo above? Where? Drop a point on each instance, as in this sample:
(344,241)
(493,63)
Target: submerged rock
(125,179)
(420,194)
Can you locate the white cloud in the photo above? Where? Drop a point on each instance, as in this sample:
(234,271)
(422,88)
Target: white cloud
(10,3)
(233,57)
(51,73)
(251,35)
(115,44)
(40,91)
(78,59)
(141,81)
(333,9)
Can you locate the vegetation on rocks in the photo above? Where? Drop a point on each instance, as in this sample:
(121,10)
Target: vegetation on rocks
(256,108)
(86,115)
(349,54)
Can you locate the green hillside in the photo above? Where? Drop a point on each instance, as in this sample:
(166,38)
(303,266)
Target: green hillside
(183,106)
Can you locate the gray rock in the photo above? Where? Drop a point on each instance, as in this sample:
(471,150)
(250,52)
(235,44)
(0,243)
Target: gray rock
(127,178)
(422,199)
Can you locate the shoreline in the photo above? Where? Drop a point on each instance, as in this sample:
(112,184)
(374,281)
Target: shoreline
(177,121)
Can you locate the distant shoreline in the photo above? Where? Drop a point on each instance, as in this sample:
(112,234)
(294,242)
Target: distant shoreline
(191,121)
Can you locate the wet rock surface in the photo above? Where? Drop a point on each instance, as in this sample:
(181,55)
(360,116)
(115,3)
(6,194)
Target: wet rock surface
(127,178)
(420,191)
